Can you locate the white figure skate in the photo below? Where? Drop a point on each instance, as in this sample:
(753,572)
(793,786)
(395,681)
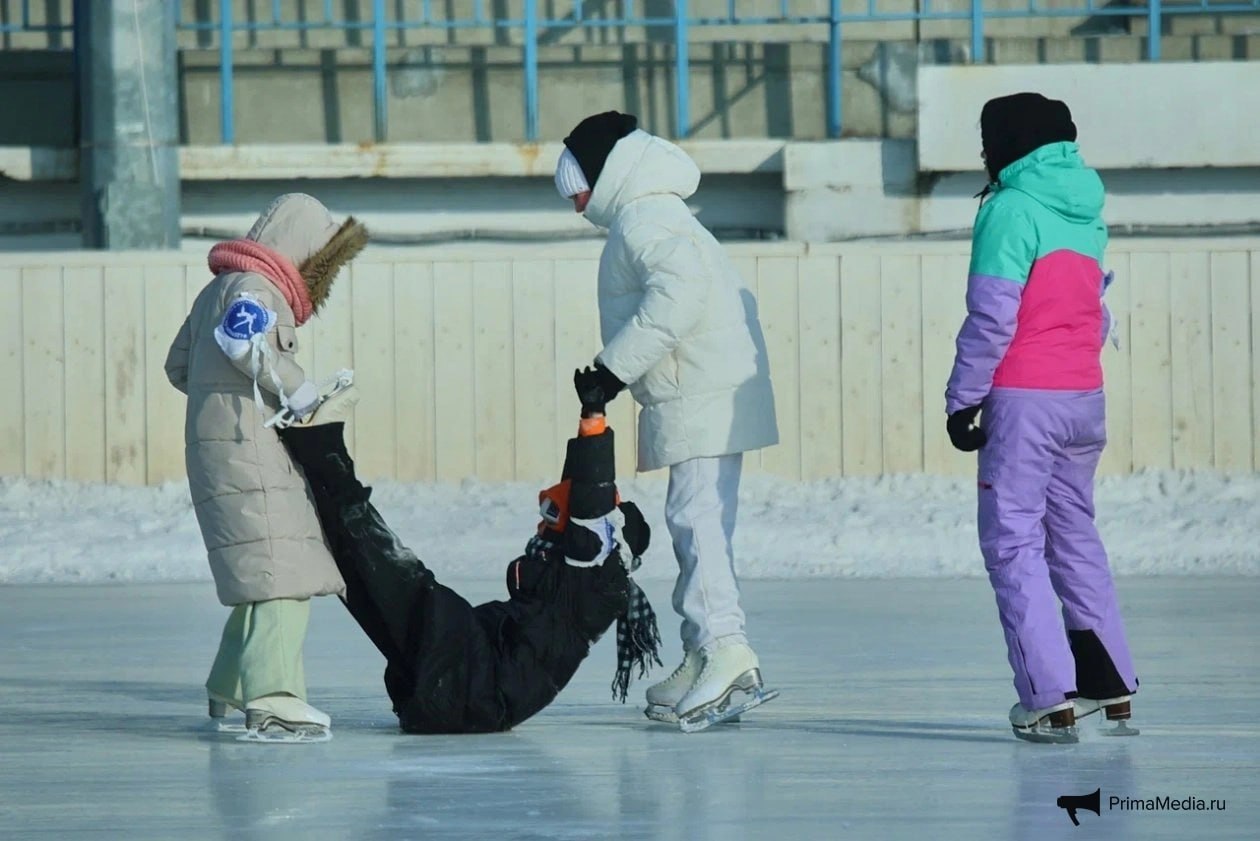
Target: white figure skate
(729,685)
(1051,725)
(1118,710)
(664,696)
(219,708)
(284,719)
(331,388)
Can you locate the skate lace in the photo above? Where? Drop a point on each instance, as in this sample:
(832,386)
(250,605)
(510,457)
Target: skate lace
(678,672)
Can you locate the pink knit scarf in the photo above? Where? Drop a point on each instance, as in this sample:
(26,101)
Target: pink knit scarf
(245,255)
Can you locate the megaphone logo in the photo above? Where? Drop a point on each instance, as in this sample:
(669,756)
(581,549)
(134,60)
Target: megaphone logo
(1072,802)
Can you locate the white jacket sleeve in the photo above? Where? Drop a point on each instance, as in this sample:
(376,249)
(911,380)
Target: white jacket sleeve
(676,292)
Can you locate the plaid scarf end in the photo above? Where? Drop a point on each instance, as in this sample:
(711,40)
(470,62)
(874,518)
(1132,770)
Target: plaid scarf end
(638,642)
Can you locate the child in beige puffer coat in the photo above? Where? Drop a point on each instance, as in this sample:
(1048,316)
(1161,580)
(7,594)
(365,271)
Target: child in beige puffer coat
(234,358)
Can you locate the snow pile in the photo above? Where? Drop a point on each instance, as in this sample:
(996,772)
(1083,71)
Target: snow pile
(1160,522)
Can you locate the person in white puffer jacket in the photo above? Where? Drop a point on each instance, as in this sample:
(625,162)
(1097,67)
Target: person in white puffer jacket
(680,327)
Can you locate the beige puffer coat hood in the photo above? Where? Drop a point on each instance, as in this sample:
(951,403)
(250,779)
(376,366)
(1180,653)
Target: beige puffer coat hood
(678,323)
(252,502)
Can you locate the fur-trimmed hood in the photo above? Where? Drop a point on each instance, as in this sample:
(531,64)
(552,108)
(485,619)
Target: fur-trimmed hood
(321,268)
(300,228)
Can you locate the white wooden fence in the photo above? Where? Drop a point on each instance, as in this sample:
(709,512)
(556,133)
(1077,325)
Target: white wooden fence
(464,356)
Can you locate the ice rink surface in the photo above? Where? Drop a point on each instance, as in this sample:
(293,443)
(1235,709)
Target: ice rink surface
(891,725)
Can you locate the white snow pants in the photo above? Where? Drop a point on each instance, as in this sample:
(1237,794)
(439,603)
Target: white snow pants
(700,508)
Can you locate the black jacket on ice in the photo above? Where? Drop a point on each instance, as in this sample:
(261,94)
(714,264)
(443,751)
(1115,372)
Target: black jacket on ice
(452,667)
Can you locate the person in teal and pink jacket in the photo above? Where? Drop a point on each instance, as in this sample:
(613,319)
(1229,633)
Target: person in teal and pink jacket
(1028,365)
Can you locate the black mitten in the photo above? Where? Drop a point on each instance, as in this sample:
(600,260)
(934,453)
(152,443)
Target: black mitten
(596,387)
(963,433)
(637,532)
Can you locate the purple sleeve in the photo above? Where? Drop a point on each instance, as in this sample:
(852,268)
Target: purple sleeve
(992,315)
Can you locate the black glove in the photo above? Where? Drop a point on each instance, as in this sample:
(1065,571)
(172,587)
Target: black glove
(595,387)
(637,532)
(962,434)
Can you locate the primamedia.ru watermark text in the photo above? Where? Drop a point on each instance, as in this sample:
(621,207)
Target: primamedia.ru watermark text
(1164,804)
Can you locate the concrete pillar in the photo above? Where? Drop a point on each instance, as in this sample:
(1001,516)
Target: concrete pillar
(128,123)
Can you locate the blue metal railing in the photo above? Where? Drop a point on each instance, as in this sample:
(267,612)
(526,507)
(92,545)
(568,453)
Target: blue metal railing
(52,25)
(27,23)
(391,19)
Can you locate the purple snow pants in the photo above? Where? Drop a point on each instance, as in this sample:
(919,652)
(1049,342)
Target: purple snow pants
(1037,534)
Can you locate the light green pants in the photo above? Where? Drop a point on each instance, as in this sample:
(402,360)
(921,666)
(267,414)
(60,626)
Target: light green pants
(261,652)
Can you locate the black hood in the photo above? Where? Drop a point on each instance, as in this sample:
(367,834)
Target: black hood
(1013,126)
(594,138)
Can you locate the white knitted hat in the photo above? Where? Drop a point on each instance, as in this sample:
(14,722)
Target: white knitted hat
(569,177)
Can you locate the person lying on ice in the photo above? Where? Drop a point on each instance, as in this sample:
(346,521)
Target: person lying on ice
(456,668)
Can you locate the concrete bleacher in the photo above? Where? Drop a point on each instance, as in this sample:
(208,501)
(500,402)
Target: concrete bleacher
(466,84)
(452,22)
(453,165)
